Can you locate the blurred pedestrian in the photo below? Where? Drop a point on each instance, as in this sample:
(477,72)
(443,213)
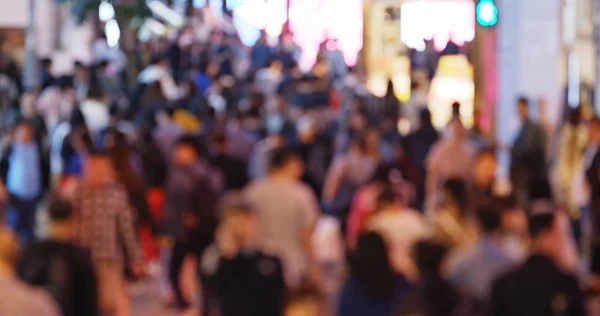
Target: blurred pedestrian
(401,227)
(24,169)
(374,287)
(448,158)
(287,212)
(528,155)
(63,269)
(477,268)
(192,192)
(433,295)
(105,219)
(539,286)
(18,298)
(247,279)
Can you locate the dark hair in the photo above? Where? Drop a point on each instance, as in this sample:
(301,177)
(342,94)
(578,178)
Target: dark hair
(65,82)
(381,175)
(429,256)
(425,117)
(386,197)
(539,224)
(95,91)
(46,62)
(489,218)
(192,142)
(458,190)
(575,116)
(523,101)
(281,157)
(60,210)
(121,155)
(78,64)
(371,267)
(456,109)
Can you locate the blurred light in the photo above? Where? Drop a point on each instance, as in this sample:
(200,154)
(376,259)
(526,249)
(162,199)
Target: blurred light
(106,11)
(487,13)
(166,13)
(113,33)
(440,20)
(155,26)
(574,83)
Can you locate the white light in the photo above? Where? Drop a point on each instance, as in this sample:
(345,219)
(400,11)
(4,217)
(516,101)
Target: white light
(113,33)
(166,13)
(439,20)
(106,11)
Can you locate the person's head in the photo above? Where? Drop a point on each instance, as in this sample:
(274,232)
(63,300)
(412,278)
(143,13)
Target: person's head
(372,139)
(98,169)
(96,91)
(358,122)
(81,140)
(545,234)
(523,108)
(594,130)
(25,132)
(371,267)
(455,193)
(456,110)
(425,118)
(276,65)
(489,219)
(9,244)
(390,88)
(306,300)
(236,214)
(575,116)
(187,150)
(430,257)
(287,162)
(60,217)
(80,69)
(381,175)
(65,83)
(47,64)
(484,171)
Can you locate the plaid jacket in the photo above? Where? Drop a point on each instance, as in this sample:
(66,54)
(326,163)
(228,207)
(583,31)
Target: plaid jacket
(105,221)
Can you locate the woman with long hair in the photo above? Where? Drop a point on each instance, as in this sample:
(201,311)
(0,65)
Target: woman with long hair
(374,287)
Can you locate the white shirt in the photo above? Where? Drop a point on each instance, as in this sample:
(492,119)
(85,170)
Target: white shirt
(400,230)
(96,115)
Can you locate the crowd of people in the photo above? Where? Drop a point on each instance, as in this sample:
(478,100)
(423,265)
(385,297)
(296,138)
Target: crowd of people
(276,181)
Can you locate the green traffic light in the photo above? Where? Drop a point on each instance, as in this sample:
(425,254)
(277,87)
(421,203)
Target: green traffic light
(486,13)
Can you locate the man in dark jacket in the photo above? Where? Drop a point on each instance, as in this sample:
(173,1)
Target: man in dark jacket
(433,295)
(191,194)
(62,268)
(539,286)
(528,156)
(247,281)
(417,146)
(25,172)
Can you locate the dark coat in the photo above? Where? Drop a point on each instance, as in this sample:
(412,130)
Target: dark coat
(537,288)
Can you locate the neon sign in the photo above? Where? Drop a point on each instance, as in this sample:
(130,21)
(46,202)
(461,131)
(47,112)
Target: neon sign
(439,20)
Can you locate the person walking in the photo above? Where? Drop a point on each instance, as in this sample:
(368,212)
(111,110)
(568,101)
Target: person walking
(105,217)
(539,286)
(59,266)
(26,174)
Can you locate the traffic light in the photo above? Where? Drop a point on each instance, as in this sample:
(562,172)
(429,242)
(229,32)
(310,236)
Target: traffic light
(486,13)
